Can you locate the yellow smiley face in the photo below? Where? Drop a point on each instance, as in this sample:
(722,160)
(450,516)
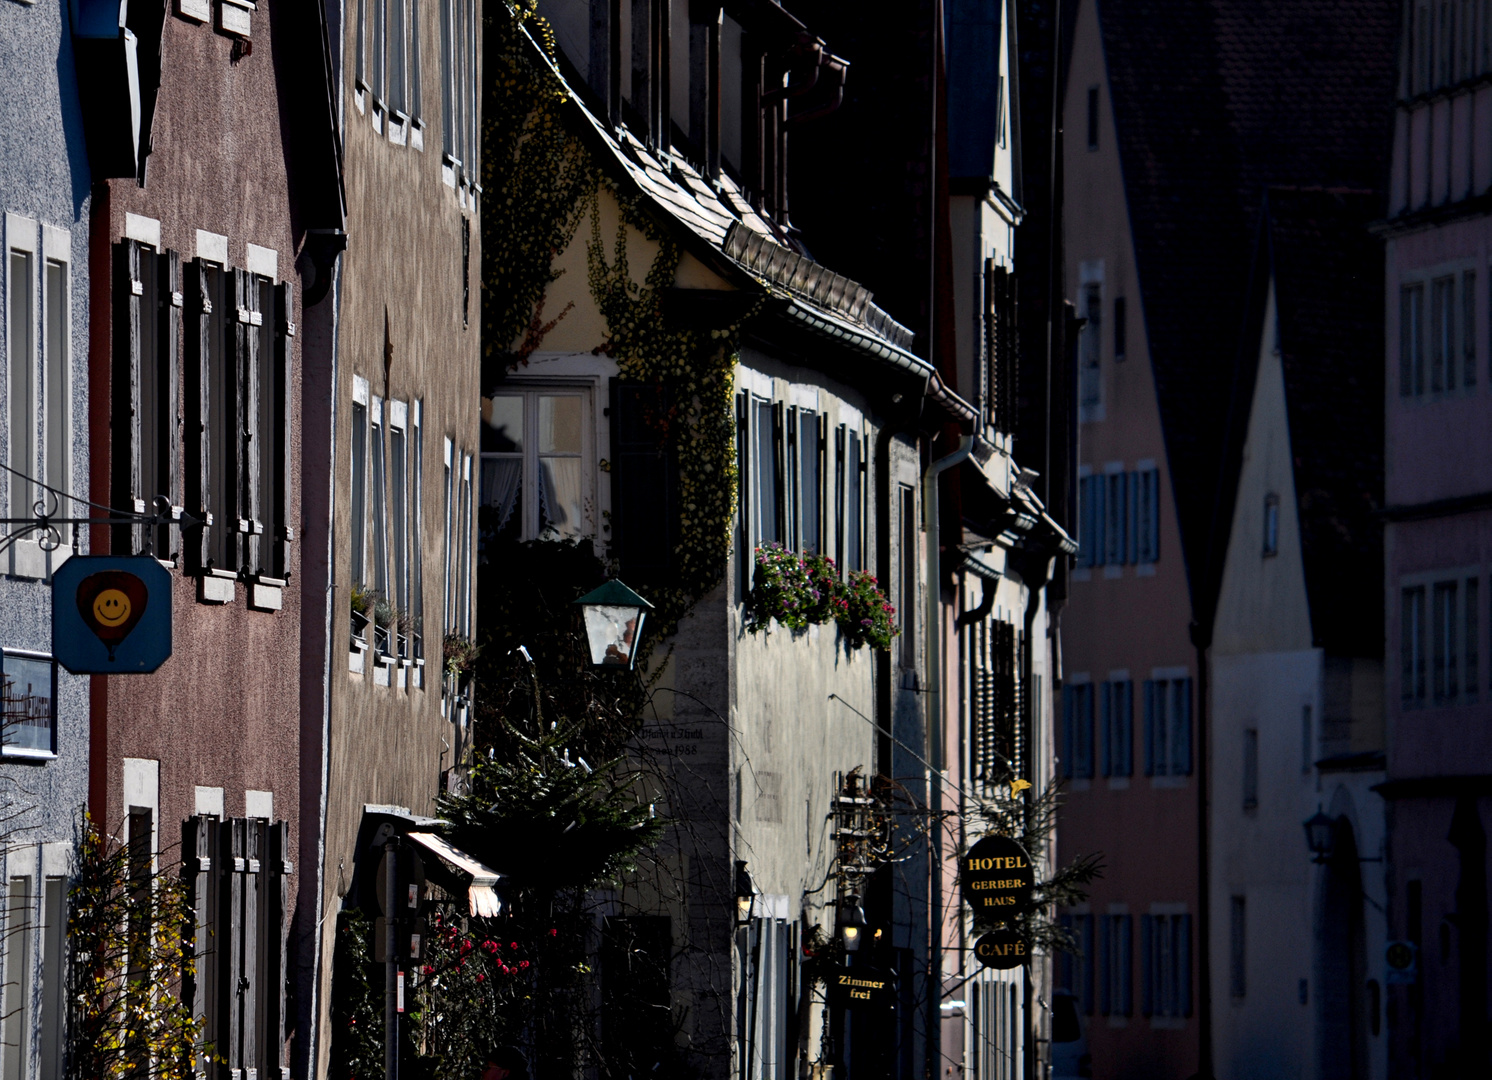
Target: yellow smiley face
(111,607)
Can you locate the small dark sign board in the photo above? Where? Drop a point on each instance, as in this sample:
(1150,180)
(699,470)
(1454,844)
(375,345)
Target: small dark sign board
(1001,948)
(996,877)
(111,615)
(863,988)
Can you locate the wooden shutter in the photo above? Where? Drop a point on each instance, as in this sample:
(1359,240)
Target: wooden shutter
(792,492)
(743,487)
(278,868)
(168,416)
(1068,747)
(779,459)
(284,532)
(1150,704)
(1106,727)
(200,836)
(246,349)
(1147,965)
(1182,957)
(254,908)
(1105,964)
(197,542)
(1181,736)
(234,980)
(644,482)
(841,493)
(129,292)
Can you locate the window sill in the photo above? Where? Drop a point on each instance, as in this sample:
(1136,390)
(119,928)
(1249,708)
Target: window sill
(217,587)
(1111,573)
(16,753)
(1146,569)
(1169,781)
(356,661)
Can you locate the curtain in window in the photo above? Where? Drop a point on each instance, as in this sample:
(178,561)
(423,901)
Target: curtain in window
(560,510)
(502,483)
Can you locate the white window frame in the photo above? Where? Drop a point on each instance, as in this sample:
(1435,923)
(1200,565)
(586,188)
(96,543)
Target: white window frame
(9,751)
(531,455)
(21,238)
(57,413)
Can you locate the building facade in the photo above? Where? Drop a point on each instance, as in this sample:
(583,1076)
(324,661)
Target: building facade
(46,200)
(1435,378)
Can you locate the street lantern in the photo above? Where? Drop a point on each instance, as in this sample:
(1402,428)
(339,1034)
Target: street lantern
(851,923)
(613,624)
(745,894)
(1320,835)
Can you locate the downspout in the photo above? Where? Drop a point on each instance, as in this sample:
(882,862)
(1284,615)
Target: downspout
(935,734)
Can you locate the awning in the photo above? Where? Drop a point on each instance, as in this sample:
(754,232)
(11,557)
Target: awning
(481,896)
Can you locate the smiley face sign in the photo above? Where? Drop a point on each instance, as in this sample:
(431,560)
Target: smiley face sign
(112,603)
(111,615)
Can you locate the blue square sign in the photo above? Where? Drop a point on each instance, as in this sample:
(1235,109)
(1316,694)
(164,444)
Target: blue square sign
(111,615)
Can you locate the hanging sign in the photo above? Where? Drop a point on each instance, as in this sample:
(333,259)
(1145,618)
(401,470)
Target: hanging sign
(111,615)
(1001,948)
(867,989)
(996,877)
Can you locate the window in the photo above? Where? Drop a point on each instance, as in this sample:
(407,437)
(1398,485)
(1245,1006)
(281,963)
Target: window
(56,328)
(1468,328)
(995,705)
(767,472)
(1116,933)
(463,587)
(211,391)
(448,591)
(1090,344)
(1092,118)
(1412,340)
(1442,334)
(1250,769)
(1092,521)
(1443,650)
(399,507)
(1271,524)
(19,979)
(1117,725)
(28,704)
(360,61)
(398,55)
(1237,951)
(377,505)
(21,373)
(1147,515)
(359,504)
(1165,965)
(417,528)
(1168,727)
(536,479)
(1116,520)
(645,511)
(997,389)
(1077,730)
(237,883)
(1121,330)
(906,602)
(53,942)
(380,52)
(809,451)
(1084,931)
(854,509)
(1412,646)
(1471,639)
(1307,739)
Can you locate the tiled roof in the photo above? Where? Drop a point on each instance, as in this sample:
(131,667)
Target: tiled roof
(1213,100)
(721,215)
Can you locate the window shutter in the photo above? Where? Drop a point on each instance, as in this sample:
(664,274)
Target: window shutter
(1089,949)
(1147,965)
(644,482)
(200,838)
(1127,729)
(1134,546)
(246,342)
(1105,964)
(1181,735)
(284,533)
(276,968)
(1106,721)
(793,496)
(1085,734)
(779,457)
(1126,926)
(169,414)
(129,291)
(1100,520)
(1068,748)
(1183,959)
(1154,527)
(1149,727)
(197,544)
(252,981)
(743,487)
(235,978)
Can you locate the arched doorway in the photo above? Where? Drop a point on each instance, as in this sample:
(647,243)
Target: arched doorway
(1341,963)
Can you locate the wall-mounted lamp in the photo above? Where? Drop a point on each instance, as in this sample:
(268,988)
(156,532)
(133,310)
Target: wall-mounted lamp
(745,894)
(1320,835)
(613,624)
(851,923)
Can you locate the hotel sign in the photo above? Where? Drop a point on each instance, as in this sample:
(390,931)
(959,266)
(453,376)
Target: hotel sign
(1000,949)
(996,878)
(867,988)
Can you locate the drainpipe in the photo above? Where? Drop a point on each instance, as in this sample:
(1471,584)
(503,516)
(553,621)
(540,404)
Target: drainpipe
(935,721)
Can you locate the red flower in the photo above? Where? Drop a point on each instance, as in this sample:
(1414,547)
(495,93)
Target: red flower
(481,978)
(523,963)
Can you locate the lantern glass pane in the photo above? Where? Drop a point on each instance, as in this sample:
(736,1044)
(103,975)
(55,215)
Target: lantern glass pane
(612,631)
